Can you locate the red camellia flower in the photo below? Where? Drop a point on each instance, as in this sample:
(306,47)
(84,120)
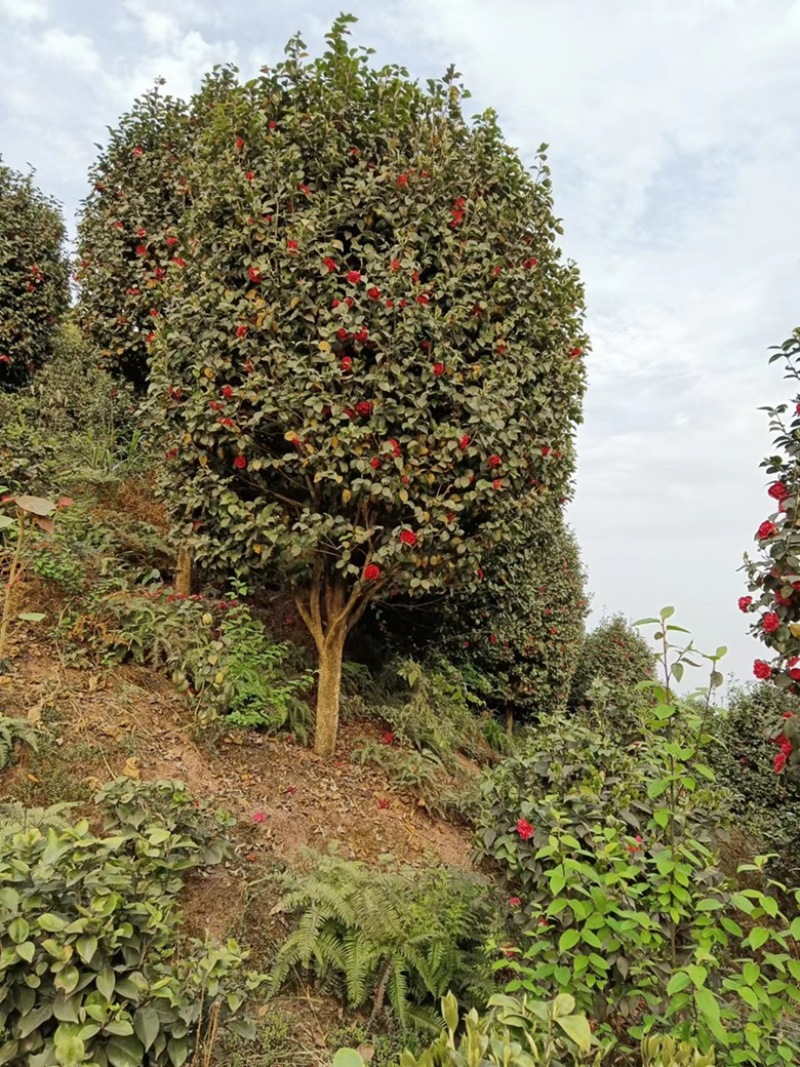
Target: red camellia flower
(497,483)
(374,293)
(371,572)
(494,460)
(291,246)
(141,250)
(402,181)
(464,442)
(525,830)
(342,334)
(395,446)
(492,639)
(226,391)
(175,392)
(438,370)
(137,151)
(249,175)
(423,298)
(362,336)
(770,622)
(254,274)
(762,670)
(346,364)
(387,738)
(239,144)
(546,450)
(171,241)
(390,303)
(766,530)
(575,352)
(259,816)
(178,261)
(408,537)
(745,602)
(240,462)
(117,225)
(241,331)
(364,407)
(330,264)
(150,337)
(353,276)
(375,463)
(529,264)
(778,491)
(514,902)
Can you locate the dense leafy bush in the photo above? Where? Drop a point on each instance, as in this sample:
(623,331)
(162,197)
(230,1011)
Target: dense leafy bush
(524,627)
(217,653)
(368,357)
(34,276)
(613,659)
(404,936)
(71,424)
(93,967)
(746,758)
(608,851)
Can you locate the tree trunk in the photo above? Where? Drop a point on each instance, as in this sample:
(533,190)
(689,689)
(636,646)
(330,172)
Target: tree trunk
(509,721)
(183,572)
(328,692)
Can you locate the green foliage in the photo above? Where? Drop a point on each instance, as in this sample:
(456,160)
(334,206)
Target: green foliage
(407,936)
(12,732)
(127,230)
(34,276)
(427,706)
(765,807)
(272,1044)
(620,896)
(614,659)
(217,653)
(71,424)
(523,629)
(659,1051)
(93,967)
(515,1032)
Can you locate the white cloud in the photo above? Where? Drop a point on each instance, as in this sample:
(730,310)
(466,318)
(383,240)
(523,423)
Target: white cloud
(25,10)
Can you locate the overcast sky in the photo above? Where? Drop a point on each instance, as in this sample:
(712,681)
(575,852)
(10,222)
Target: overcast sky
(673,127)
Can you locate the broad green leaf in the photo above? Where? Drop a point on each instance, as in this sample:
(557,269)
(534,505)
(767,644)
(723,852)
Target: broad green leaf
(577,1028)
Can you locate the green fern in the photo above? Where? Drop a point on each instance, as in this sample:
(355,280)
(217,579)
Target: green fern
(12,731)
(399,938)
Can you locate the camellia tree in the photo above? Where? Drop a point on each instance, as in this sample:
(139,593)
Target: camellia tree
(773,602)
(615,654)
(127,235)
(34,277)
(369,369)
(524,626)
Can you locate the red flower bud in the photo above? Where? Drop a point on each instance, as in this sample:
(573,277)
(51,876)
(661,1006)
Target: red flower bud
(240,462)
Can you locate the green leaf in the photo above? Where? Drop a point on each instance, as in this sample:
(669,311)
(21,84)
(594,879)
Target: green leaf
(51,923)
(147,1026)
(32,616)
(348,1057)
(18,929)
(708,1008)
(759,936)
(125,1052)
(577,1028)
(569,939)
(680,980)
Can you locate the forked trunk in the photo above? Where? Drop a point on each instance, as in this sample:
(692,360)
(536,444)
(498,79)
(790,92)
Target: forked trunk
(328,692)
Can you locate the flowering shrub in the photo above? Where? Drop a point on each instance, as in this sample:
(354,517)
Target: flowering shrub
(369,368)
(614,656)
(34,277)
(773,603)
(608,848)
(524,627)
(747,759)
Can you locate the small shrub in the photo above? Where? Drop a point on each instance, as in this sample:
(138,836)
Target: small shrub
(615,655)
(13,732)
(515,1032)
(405,937)
(94,920)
